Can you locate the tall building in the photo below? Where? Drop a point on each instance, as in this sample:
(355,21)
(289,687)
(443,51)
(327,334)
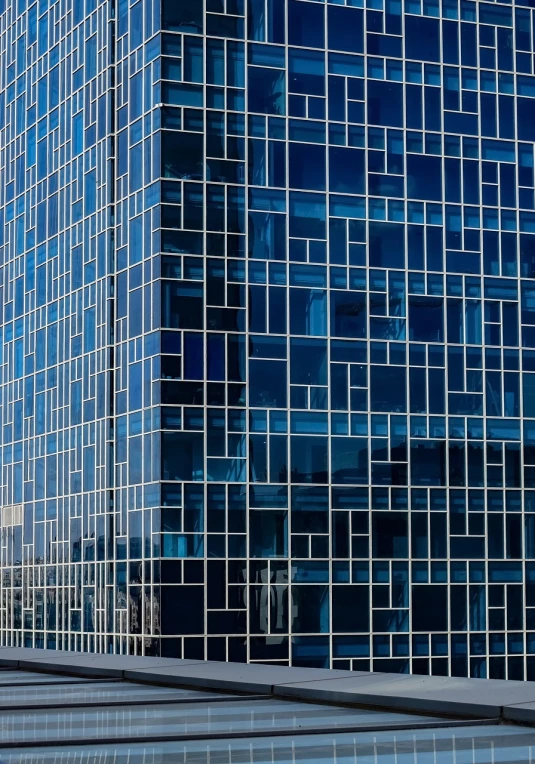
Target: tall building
(267,281)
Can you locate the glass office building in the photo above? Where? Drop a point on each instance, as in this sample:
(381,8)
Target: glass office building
(267,377)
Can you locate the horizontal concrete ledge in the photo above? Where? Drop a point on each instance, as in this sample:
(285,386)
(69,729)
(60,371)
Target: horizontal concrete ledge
(99,665)
(454,697)
(476,698)
(81,664)
(238,677)
(241,677)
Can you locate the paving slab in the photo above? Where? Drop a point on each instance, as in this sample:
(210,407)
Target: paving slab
(10,656)
(97,665)
(239,677)
(82,664)
(481,698)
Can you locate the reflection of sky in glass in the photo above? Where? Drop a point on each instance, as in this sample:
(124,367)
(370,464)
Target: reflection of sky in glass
(484,745)
(46,694)
(189,720)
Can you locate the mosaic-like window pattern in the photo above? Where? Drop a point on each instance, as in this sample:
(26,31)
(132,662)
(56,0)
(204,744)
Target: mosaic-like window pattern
(268,365)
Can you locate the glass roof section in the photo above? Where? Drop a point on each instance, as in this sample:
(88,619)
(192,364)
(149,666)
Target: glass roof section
(485,744)
(191,720)
(97,693)
(57,717)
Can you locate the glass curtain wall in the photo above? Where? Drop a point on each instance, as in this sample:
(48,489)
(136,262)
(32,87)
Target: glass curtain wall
(347,300)
(268,359)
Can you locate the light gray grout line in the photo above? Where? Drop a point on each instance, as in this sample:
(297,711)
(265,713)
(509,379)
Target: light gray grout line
(297,732)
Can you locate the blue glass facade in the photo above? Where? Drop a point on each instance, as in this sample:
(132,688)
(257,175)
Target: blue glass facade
(268,348)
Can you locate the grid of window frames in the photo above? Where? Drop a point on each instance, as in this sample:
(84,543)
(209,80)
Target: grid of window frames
(268,362)
(76,378)
(347,307)
(55,292)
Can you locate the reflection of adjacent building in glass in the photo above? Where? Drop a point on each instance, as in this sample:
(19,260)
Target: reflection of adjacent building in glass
(269,612)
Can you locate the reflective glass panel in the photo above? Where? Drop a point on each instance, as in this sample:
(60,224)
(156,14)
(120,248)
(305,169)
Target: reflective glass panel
(483,744)
(189,720)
